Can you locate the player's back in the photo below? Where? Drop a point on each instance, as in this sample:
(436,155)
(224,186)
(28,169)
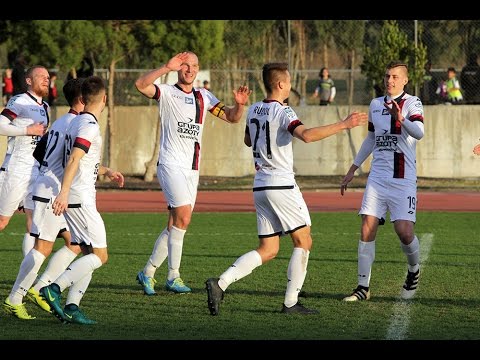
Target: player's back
(51,170)
(54,162)
(270,128)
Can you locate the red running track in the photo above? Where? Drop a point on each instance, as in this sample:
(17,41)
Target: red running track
(242,201)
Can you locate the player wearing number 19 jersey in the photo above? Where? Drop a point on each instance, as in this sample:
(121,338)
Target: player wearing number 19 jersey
(280,207)
(395,125)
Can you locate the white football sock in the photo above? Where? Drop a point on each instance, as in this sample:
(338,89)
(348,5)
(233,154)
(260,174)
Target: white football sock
(243,266)
(412,251)
(77,290)
(296,273)
(159,254)
(77,270)
(27,274)
(27,244)
(366,256)
(175,245)
(56,265)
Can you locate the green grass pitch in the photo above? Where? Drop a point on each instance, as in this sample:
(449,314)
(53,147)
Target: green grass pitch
(446,307)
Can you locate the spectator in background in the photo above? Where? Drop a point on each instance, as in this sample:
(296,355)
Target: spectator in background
(470,80)
(326,88)
(52,90)
(206,85)
(7,86)
(442,97)
(429,87)
(18,76)
(454,94)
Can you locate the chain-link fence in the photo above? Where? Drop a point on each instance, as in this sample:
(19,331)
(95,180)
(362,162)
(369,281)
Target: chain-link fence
(341,46)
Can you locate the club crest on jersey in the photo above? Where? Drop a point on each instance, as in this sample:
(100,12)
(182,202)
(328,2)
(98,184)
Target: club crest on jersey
(385,112)
(188,101)
(42,112)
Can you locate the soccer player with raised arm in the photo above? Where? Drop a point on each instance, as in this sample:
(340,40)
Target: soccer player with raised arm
(280,207)
(183,110)
(394,128)
(24,120)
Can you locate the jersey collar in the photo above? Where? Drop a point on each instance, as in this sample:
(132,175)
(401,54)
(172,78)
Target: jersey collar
(397,99)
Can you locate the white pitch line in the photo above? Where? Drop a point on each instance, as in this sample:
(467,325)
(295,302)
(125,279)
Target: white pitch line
(401,309)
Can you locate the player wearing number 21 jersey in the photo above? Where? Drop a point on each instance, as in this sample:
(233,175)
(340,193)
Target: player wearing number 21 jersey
(280,207)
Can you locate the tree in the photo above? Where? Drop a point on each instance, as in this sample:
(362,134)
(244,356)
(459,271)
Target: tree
(394,45)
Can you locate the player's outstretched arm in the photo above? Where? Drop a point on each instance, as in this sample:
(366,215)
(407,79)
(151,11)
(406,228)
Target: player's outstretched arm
(321,132)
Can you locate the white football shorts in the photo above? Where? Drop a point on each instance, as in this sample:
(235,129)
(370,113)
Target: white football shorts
(86,225)
(14,192)
(179,186)
(45,224)
(398,196)
(280,210)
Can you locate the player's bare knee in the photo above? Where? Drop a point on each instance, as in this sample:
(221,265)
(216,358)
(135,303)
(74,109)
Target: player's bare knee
(4,222)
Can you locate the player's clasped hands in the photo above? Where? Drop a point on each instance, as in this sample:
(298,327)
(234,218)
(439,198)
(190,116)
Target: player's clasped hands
(242,94)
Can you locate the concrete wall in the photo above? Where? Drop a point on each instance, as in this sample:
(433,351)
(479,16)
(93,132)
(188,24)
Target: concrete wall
(444,152)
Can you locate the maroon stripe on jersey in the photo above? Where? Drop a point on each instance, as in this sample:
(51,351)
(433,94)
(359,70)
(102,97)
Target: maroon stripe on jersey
(82,144)
(9,114)
(371,127)
(416,117)
(196,156)
(199,105)
(156,96)
(398,165)
(395,126)
(293,125)
(71,111)
(45,107)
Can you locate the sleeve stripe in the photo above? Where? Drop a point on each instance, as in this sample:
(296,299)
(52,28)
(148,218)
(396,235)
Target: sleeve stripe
(416,118)
(293,125)
(82,144)
(9,114)
(156,96)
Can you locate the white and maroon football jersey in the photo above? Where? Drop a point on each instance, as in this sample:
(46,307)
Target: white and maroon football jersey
(23,110)
(182,117)
(84,133)
(271,125)
(53,164)
(394,151)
